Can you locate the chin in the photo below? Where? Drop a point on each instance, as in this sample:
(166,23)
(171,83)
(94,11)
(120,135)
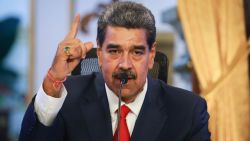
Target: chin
(128,92)
(128,97)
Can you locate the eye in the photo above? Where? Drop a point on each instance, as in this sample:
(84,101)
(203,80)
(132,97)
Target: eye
(113,51)
(138,52)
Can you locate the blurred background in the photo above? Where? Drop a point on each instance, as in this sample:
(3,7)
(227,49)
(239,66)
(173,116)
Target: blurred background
(30,31)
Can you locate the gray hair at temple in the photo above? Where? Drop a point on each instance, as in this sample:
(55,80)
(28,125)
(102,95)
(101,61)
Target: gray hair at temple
(128,15)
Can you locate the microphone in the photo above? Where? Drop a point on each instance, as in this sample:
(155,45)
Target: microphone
(123,76)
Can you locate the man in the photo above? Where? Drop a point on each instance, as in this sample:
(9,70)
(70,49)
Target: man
(85,107)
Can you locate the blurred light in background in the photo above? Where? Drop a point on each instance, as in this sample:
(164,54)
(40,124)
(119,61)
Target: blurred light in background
(14,65)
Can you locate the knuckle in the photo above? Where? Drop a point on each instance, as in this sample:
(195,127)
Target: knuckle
(61,44)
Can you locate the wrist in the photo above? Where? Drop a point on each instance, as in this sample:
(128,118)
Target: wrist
(52,85)
(57,83)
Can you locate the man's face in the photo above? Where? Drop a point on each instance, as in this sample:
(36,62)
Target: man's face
(125,49)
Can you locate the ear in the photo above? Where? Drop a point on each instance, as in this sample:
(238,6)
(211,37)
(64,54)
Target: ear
(99,55)
(152,53)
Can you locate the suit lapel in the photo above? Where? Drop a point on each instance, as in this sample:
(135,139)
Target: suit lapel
(96,112)
(152,115)
(148,125)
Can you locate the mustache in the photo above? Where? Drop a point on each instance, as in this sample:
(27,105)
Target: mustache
(130,74)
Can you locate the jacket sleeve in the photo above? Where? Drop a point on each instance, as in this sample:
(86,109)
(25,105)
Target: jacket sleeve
(33,130)
(200,131)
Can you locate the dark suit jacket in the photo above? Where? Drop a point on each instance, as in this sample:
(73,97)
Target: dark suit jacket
(167,114)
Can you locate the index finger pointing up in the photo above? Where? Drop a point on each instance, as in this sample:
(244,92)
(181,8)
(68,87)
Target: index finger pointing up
(74,27)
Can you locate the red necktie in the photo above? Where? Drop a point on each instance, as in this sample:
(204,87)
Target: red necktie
(124,133)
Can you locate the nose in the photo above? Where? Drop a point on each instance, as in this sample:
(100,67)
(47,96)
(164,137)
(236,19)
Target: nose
(125,62)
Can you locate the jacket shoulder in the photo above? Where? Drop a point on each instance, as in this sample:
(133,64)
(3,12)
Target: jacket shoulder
(177,97)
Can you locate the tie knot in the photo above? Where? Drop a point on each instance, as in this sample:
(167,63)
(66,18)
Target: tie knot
(124,111)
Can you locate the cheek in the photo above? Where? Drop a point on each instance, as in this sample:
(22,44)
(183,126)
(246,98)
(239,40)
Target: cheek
(107,71)
(108,66)
(142,70)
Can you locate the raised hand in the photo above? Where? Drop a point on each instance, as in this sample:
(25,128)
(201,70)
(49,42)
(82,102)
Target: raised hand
(68,55)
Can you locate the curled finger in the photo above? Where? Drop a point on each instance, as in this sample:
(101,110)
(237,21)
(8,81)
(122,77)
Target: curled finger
(84,50)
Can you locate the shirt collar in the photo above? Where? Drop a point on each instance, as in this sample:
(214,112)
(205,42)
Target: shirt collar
(134,106)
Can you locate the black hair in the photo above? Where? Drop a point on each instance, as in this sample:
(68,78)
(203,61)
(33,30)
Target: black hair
(129,15)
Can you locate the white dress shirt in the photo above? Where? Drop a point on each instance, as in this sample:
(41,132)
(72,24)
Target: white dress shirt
(134,106)
(47,107)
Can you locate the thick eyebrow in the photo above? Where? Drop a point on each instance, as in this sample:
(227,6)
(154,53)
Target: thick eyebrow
(141,47)
(113,46)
